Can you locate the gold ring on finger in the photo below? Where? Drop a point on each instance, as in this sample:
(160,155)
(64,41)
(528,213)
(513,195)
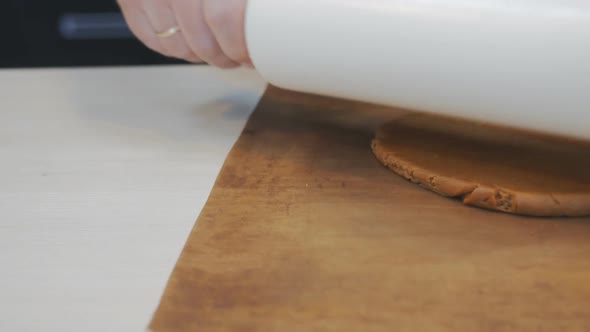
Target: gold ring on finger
(168,32)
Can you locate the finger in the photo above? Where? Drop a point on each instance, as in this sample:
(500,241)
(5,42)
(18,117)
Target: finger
(162,18)
(198,36)
(226,21)
(194,59)
(141,28)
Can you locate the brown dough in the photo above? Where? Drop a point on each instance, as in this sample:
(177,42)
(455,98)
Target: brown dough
(488,166)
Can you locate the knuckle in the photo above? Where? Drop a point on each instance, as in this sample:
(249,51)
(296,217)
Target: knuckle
(223,65)
(177,50)
(187,55)
(193,58)
(172,52)
(150,44)
(206,49)
(223,61)
(240,55)
(220,59)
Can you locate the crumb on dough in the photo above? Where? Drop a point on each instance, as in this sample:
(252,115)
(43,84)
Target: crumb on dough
(491,198)
(504,200)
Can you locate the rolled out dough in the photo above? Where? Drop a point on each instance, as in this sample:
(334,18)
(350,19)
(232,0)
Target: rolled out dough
(488,166)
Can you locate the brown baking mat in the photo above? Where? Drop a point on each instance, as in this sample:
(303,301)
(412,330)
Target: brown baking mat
(306,231)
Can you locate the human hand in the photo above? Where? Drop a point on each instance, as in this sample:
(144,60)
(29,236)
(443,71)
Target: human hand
(209,31)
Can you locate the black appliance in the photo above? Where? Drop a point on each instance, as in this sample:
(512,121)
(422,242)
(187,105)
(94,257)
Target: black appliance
(42,33)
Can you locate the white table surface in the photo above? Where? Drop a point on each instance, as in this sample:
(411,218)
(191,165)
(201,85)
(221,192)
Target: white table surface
(103,173)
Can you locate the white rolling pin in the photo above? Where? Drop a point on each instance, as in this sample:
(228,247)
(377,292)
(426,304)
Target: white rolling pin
(523,63)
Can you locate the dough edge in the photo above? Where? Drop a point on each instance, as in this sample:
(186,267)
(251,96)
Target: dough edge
(485,196)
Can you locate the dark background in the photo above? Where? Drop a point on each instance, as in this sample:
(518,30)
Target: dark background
(31,36)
